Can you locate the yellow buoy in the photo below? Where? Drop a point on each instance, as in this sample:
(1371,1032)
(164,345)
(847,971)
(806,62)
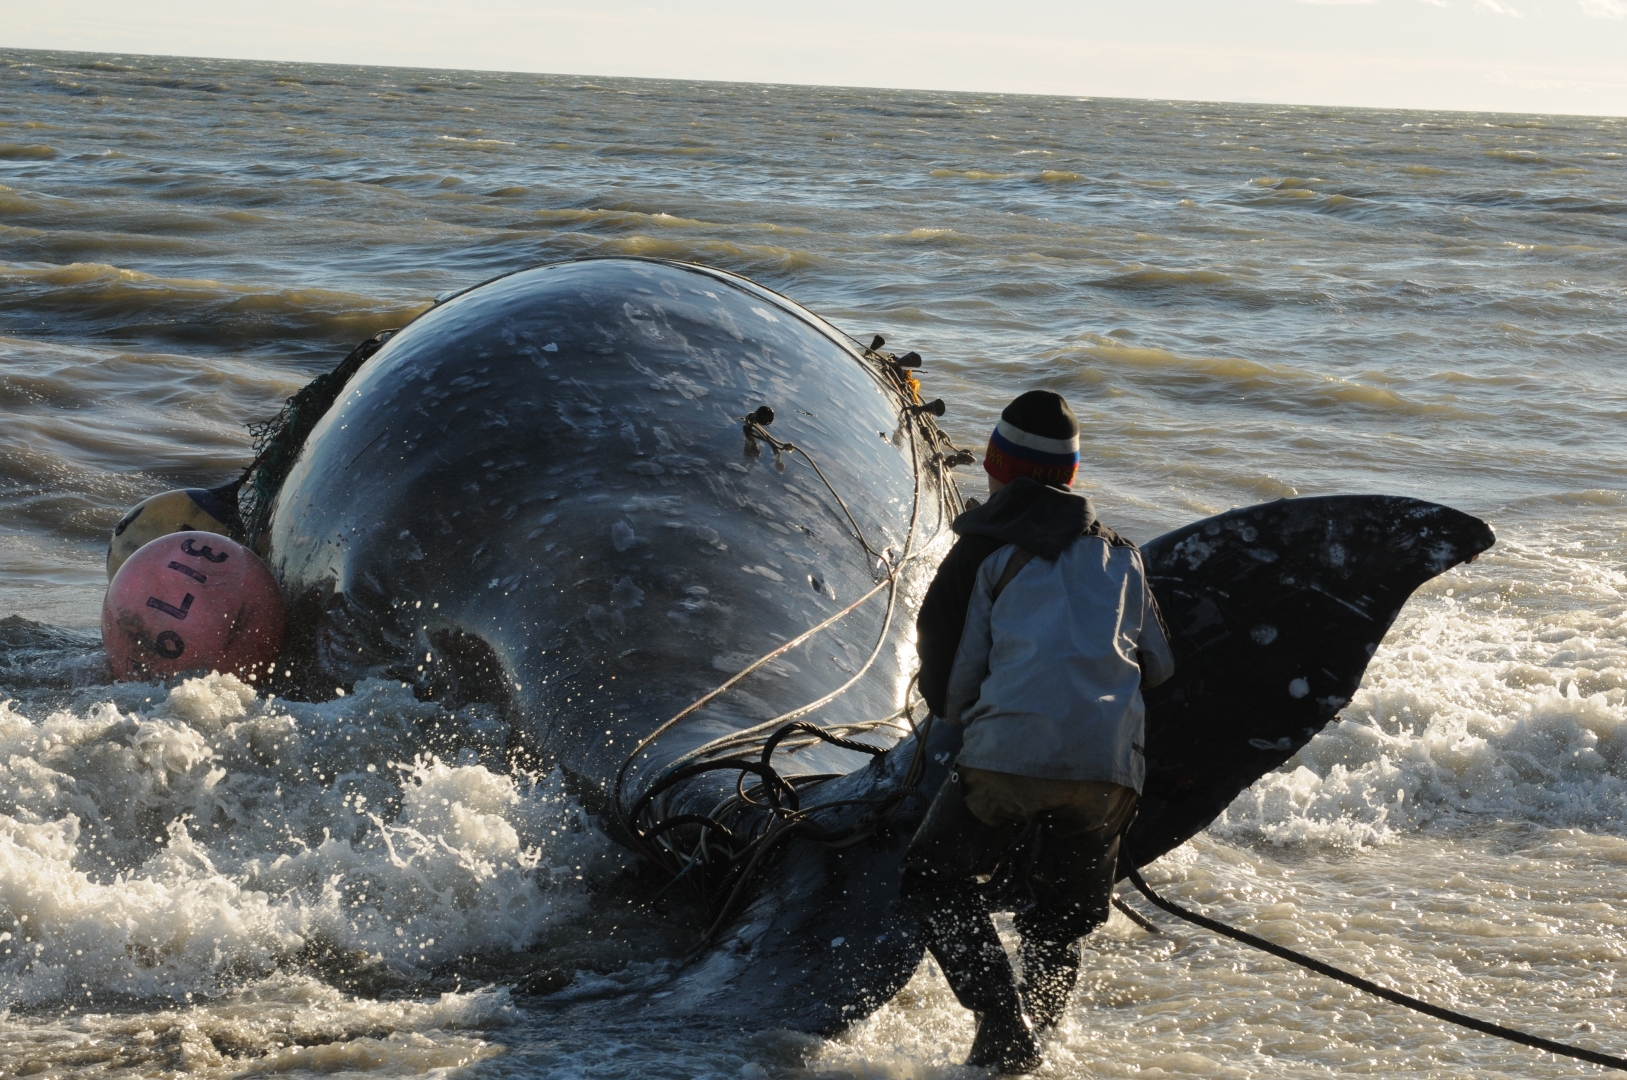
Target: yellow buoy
(194,509)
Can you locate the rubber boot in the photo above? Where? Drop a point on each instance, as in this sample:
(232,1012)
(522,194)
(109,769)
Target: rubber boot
(961,937)
(1005,1041)
(1050,968)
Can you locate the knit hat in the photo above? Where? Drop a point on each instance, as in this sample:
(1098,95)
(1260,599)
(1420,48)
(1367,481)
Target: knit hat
(1037,436)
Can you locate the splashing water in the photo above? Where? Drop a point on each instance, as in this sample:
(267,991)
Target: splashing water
(206,843)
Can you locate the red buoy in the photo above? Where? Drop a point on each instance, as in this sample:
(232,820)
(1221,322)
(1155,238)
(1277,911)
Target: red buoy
(192,601)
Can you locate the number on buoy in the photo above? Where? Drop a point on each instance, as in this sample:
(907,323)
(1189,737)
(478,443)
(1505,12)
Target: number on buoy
(206,552)
(232,613)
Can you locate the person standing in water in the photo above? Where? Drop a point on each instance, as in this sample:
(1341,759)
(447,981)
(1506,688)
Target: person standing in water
(1036,637)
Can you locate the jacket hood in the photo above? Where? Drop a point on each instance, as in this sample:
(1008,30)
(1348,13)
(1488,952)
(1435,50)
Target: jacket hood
(1039,519)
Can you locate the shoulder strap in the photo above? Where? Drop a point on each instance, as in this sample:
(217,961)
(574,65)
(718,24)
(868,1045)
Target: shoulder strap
(1096,528)
(1019,559)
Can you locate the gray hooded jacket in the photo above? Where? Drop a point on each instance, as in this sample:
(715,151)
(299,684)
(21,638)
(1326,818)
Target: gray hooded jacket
(1046,678)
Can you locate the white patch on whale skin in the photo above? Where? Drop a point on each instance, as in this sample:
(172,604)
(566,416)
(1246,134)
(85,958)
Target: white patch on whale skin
(1194,551)
(1442,556)
(622,536)
(1298,688)
(624,594)
(1265,634)
(763,571)
(765,314)
(414,552)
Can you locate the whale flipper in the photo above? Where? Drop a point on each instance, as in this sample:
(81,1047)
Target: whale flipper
(1274,612)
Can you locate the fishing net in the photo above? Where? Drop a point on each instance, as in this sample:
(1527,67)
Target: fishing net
(277,441)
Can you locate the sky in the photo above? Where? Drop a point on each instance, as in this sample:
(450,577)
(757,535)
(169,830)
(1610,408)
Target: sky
(1554,56)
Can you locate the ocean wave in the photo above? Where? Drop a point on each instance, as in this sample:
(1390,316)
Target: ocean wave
(1558,203)
(630,150)
(1479,705)
(749,259)
(632,219)
(27,152)
(1296,193)
(1589,497)
(970,174)
(275,1026)
(1520,157)
(476,143)
(1169,285)
(926,235)
(915,110)
(90,432)
(36,656)
(1268,385)
(192,309)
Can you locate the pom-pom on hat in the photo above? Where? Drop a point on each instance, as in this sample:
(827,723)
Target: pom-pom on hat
(1038,437)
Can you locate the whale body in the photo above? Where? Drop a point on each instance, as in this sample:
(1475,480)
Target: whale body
(559,493)
(539,495)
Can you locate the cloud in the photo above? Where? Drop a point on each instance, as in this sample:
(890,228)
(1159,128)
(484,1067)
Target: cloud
(1603,9)
(1494,7)
(1436,3)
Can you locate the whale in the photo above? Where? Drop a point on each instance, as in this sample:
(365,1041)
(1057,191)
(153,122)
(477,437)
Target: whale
(674,528)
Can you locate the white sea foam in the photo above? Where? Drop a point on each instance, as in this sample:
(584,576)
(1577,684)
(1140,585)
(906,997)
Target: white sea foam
(210,838)
(1485,702)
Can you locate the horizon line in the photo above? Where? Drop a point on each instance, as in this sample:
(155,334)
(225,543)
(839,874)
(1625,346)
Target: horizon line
(8,50)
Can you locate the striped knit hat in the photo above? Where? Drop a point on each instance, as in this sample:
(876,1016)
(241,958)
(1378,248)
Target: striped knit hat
(1037,436)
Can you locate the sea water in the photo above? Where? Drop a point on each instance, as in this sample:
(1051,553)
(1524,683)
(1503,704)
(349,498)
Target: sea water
(1241,302)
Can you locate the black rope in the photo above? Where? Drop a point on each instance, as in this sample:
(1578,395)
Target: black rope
(1462,1020)
(819,733)
(1136,917)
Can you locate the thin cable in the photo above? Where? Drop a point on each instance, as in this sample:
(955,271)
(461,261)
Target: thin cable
(890,582)
(755,430)
(1461,1019)
(728,683)
(738,860)
(757,846)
